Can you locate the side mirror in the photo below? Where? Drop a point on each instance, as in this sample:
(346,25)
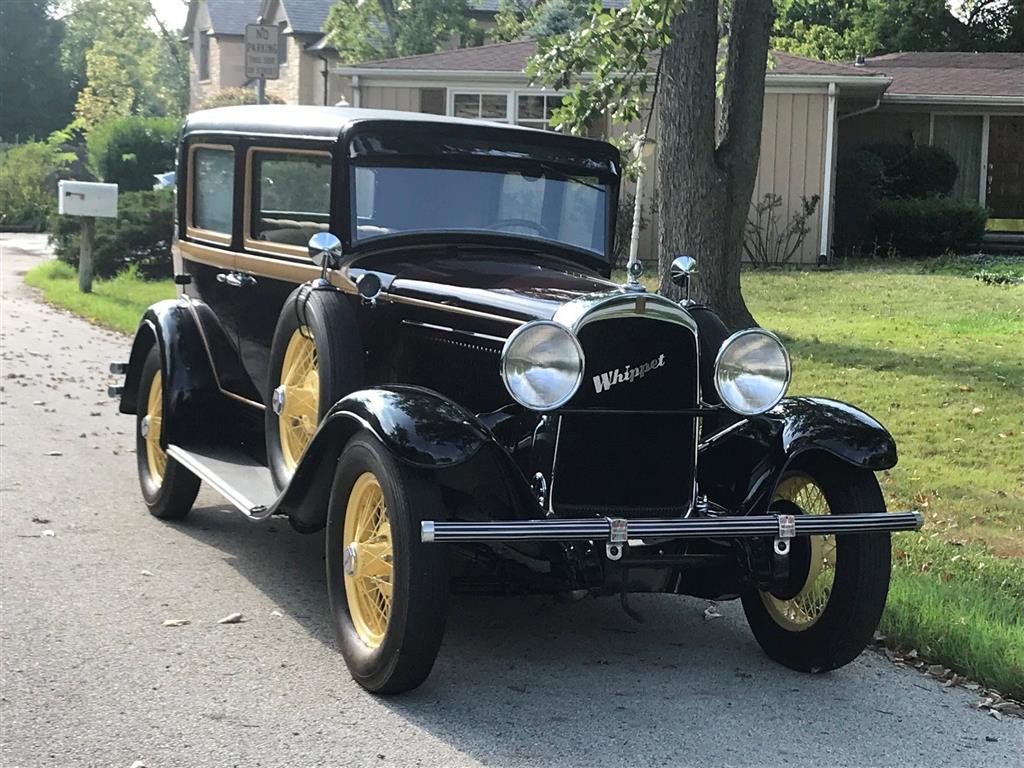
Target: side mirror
(325,250)
(681,270)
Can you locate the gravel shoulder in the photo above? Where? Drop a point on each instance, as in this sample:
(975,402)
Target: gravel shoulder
(90,677)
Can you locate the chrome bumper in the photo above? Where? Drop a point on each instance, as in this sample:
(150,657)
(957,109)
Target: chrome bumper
(621,530)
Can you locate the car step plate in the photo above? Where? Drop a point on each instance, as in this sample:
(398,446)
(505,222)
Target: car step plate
(246,483)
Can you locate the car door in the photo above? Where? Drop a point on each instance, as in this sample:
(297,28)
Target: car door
(216,289)
(287,201)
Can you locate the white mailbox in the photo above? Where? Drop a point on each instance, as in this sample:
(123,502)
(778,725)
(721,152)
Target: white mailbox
(87,198)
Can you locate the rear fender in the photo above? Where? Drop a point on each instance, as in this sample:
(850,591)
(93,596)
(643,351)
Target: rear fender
(740,466)
(420,428)
(190,386)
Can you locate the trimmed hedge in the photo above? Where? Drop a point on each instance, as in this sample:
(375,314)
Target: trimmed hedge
(140,236)
(925,227)
(128,151)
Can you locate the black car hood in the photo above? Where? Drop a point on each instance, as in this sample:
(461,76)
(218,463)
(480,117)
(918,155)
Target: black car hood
(519,286)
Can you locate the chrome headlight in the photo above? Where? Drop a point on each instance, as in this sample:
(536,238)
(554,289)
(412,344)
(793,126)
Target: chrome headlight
(542,365)
(752,371)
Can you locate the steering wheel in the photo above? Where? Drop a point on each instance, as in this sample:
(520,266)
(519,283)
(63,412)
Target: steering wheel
(538,228)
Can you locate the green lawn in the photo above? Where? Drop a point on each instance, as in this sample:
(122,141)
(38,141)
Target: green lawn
(117,303)
(934,354)
(939,359)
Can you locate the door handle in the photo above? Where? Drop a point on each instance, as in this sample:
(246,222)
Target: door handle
(236,279)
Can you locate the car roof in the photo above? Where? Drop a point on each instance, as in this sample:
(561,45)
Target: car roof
(329,122)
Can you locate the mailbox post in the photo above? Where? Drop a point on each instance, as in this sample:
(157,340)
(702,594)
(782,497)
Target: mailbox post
(87,200)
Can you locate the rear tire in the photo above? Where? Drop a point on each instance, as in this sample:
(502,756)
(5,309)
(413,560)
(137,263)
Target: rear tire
(315,360)
(168,488)
(389,644)
(824,626)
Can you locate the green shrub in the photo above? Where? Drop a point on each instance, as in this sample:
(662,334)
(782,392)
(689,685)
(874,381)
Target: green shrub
(28,184)
(914,171)
(127,151)
(139,237)
(927,227)
(231,97)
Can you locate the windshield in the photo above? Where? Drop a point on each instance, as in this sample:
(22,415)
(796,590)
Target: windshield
(548,204)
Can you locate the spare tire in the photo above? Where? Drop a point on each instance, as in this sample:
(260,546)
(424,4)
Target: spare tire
(316,358)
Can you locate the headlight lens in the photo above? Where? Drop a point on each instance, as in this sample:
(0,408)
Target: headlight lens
(542,365)
(752,371)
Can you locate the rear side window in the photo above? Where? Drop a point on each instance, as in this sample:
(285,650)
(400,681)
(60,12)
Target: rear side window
(291,196)
(213,189)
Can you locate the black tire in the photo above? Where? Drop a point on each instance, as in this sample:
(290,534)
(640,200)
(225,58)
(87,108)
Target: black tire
(169,495)
(419,580)
(329,317)
(860,580)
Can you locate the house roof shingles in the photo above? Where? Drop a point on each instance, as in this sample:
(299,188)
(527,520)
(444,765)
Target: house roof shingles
(952,74)
(512,57)
(307,17)
(229,17)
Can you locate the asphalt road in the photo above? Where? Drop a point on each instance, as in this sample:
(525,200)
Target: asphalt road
(90,677)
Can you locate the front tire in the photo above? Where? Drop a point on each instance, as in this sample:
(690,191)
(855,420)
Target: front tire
(827,617)
(315,360)
(388,591)
(168,488)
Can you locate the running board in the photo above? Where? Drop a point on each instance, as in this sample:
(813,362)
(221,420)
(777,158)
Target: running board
(619,529)
(246,483)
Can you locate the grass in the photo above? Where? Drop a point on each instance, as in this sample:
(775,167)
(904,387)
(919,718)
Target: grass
(117,303)
(938,357)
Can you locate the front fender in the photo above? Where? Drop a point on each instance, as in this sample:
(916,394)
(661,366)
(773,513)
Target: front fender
(740,466)
(189,382)
(418,426)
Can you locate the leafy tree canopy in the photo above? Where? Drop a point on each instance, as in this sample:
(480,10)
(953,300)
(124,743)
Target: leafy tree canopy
(29,69)
(364,30)
(518,19)
(840,29)
(126,51)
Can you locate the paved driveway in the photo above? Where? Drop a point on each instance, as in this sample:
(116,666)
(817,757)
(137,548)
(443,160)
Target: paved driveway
(91,678)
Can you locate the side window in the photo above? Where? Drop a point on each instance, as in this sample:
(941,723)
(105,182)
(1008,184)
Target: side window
(213,189)
(291,196)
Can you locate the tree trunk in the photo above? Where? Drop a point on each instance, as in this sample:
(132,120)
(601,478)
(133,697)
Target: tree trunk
(706,176)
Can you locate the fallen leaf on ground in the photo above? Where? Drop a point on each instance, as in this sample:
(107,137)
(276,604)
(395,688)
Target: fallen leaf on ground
(176,622)
(54,453)
(232,618)
(40,520)
(48,532)
(711,612)
(145,573)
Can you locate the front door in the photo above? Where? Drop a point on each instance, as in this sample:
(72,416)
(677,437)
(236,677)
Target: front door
(1005,184)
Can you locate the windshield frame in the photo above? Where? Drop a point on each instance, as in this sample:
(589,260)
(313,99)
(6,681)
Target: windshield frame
(486,148)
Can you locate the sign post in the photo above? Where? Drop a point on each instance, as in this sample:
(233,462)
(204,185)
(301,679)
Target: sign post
(262,43)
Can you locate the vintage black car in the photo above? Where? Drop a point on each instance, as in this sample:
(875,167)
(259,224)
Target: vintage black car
(402,328)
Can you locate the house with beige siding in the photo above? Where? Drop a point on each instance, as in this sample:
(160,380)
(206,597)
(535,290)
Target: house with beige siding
(798,136)
(970,104)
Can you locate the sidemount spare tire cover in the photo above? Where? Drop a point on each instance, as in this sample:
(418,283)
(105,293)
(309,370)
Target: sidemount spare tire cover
(315,360)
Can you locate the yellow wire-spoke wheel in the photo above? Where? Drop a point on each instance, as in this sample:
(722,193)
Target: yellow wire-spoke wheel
(156,458)
(368,560)
(300,391)
(807,606)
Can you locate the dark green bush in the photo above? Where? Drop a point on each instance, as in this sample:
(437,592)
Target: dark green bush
(127,151)
(28,183)
(231,97)
(140,236)
(914,171)
(918,228)
(860,178)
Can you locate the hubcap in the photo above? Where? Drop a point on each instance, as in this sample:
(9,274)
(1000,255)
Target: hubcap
(804,609)
(367,560)
(297,400)
(149,428)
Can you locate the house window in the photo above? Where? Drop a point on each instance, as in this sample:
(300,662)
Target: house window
(282,47)
(291,196)
(960,135)
(203,55)
(533,110)
(481,106)
(213,187)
